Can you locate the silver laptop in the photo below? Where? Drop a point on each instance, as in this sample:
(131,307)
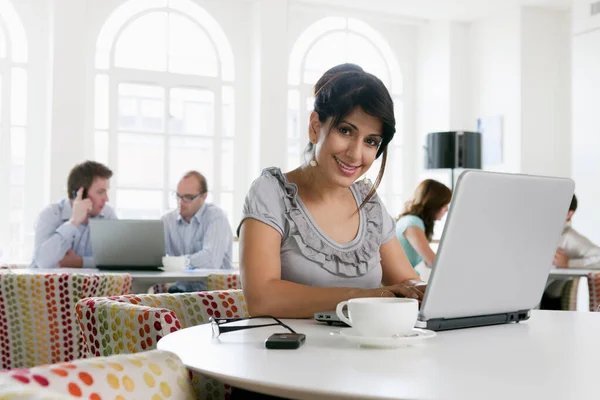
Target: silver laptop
(496,250)
(119,244)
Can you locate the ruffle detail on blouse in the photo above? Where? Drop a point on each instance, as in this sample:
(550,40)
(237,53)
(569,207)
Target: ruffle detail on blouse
(357,259)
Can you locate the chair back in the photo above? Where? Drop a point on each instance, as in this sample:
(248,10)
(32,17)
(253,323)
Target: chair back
(39,324)
(136,322)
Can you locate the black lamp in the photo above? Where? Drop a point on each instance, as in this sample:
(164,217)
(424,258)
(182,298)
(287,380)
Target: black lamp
(458,149)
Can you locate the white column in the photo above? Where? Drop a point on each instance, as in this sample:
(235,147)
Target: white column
(37,18)
(432,93)
(545,92)
(68,93)
(270,77)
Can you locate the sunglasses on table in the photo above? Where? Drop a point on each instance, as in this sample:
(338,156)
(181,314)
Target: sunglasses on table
(218,325)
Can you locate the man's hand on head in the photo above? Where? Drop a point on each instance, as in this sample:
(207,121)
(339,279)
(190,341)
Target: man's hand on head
(81,209)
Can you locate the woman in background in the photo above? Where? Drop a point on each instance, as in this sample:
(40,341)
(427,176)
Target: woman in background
(414,227)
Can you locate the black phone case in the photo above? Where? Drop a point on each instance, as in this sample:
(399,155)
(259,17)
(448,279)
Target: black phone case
(285,341)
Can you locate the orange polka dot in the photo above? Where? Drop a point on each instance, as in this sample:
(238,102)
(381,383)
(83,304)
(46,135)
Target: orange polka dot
(59,372)
(86,378)
(95,396)
(74,390)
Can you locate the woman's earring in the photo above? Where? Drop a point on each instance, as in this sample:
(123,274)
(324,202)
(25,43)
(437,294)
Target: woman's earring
(366,180)
(313,163)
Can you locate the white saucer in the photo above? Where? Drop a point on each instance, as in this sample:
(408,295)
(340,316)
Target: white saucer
(415,336)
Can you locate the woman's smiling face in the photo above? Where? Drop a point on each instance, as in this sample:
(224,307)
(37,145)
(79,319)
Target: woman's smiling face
(346,152)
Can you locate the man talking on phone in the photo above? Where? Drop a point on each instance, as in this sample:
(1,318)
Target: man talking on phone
(62,234)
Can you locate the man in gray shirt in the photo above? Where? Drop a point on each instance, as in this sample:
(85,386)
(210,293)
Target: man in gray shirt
(197,230)
(62,234)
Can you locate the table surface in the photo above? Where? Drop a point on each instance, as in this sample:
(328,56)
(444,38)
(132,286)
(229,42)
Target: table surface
(571,272)
(139,276)
(553,355)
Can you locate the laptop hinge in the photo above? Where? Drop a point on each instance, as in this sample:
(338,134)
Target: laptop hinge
(441,324)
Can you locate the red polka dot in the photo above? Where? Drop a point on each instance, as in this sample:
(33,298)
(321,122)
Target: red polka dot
(41,380)
(21,378)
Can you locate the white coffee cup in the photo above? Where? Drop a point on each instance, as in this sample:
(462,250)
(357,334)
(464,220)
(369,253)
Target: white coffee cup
(175,263)
(380,317)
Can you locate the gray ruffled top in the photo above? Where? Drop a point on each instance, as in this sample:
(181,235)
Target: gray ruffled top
(308,256)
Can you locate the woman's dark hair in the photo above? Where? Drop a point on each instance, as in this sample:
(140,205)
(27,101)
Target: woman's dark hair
(343,88)
(430,197)
(573,205)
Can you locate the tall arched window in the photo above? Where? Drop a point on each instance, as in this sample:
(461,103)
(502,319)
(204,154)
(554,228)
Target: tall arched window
(324,44)
(163,104)
(13,132)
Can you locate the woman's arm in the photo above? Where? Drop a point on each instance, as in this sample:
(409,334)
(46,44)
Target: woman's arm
(267,294)
(395,265)
(417,239)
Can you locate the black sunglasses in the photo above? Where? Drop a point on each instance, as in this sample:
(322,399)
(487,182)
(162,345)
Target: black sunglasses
(218,328)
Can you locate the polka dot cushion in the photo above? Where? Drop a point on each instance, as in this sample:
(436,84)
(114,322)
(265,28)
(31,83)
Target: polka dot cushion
(18,391)
(594,289)
(153,375)
(223,282)
(38,324)
(160,287)
(568,298)
(9,266)
(135,323)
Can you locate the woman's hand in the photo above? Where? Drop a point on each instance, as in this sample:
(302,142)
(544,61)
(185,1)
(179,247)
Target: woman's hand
(412,289)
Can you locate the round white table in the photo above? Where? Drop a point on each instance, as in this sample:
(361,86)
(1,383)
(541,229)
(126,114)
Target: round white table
(553,355)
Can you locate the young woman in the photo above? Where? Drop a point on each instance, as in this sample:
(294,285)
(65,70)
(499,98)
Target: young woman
(318,235)
(414,227)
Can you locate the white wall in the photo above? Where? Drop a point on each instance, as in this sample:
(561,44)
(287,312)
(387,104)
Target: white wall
(495,75)
(36,16)
(433,85)
(69,95)
(460,78)
(545,92)
(582,20)
(443,84)
(586,119)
